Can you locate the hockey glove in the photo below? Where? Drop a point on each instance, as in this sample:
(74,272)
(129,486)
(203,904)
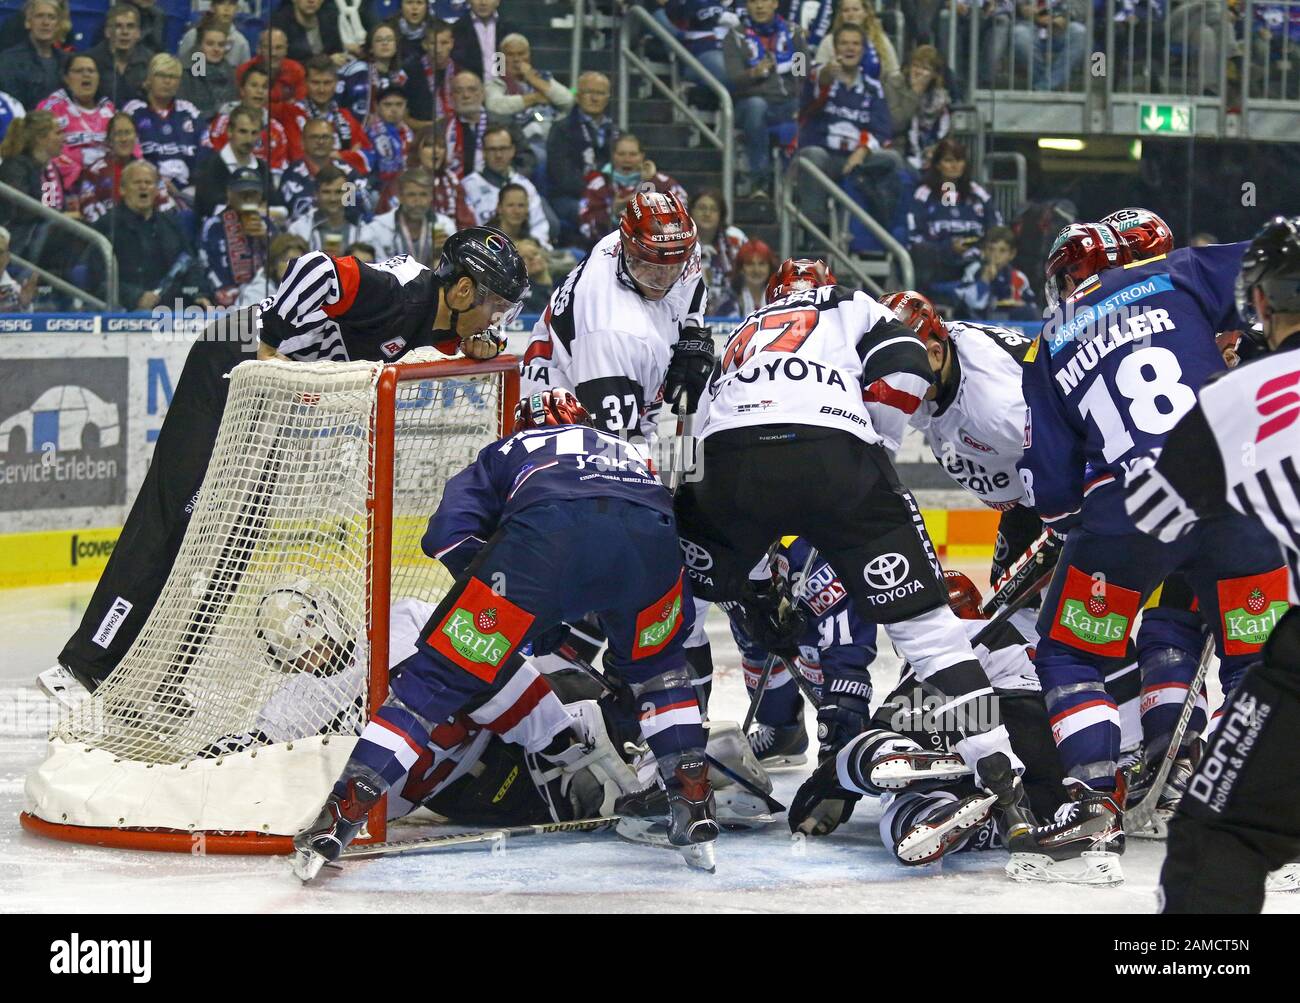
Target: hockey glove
(689,370)
(821,804)
(773,620)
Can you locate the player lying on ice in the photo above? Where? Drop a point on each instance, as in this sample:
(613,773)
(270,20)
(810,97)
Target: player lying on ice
(553,522)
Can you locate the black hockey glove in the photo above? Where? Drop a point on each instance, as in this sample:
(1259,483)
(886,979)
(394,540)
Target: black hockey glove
(821,804)
(773,620)
(689,370)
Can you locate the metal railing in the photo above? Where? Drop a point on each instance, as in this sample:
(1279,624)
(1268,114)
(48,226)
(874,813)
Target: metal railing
(791,215)
(79,230)
(575,53)
(1009,194)
(724,138)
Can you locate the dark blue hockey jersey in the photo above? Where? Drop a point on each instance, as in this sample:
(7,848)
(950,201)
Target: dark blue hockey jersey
(1117,364)
(531,468)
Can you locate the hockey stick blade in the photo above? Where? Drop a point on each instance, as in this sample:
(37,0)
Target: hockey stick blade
(1021,578)
(428,844)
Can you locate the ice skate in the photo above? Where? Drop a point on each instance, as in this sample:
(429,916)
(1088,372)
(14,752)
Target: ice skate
(61,686)
(338,824)
(1285,879)
(896,771)
(1166,801)
(1081,845)
(681,816)
(780,745)
(942,826)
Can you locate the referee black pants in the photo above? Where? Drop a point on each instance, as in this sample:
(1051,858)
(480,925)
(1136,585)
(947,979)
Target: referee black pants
(143,556)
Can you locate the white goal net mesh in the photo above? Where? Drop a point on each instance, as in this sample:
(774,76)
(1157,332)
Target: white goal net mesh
(260,634)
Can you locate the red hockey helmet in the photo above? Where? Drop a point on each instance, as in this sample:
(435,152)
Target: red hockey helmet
(549,407)
(917,312)
(658,240)
(1079,252)
(797,274)
(1147,235)
(963,597)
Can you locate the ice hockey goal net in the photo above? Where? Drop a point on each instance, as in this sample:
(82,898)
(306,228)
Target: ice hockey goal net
(237,706)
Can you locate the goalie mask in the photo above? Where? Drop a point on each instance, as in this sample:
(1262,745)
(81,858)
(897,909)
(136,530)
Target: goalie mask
(304,630)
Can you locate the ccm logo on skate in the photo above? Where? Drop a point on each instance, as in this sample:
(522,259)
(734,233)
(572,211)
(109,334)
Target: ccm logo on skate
(114,619)
(888,575)
(1275,396)
(75,956)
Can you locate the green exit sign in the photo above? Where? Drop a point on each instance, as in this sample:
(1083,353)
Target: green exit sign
(1166,119)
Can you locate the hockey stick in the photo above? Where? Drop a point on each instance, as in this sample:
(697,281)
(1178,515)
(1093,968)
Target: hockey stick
(1023,581)
(1141,816)
(427,844)
(771,661)
(685,429)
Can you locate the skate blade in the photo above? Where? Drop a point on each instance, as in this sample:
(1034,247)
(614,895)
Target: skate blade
(784,762)
(1157,828)
(1285,879)
(897,773)
(699,857)
(927,843)
(741,810)
(307,864)
(62,688)
(1094,867)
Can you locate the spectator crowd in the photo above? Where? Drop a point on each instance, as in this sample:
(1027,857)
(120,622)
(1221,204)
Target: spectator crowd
(236,146)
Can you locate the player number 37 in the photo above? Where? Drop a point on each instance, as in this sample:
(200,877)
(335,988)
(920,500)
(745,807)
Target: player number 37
(1150,379)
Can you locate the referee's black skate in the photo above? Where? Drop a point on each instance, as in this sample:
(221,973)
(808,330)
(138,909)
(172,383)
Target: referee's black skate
(337,825)
(1081,845)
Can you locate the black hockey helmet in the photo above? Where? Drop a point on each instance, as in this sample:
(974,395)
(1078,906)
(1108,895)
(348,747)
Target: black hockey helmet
(490,258)
(1271,262)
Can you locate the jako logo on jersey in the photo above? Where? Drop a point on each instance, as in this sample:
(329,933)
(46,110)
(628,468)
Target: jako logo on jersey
(114,619)
(1060,333)
(1273,396)
(793,369)
(695,557)
(1091,352)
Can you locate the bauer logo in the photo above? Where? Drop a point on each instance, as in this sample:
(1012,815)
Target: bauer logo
(75,956)
(116,616)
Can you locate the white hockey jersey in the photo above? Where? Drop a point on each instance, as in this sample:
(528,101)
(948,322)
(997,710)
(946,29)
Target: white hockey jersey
(601,339)
(828,357)
(977,428)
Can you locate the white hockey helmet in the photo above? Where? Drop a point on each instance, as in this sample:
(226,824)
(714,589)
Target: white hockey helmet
(304,629)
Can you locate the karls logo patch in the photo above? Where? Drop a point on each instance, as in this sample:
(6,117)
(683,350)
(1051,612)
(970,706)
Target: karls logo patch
(113,620)
(658,623)
(1092,616)
(1277,401)
(480,631)
(1250,608)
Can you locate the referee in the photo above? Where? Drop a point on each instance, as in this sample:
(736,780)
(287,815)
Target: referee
(326,308)
(1238,450)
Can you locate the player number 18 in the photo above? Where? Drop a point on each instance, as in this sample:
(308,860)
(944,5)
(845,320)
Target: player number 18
(1156,401)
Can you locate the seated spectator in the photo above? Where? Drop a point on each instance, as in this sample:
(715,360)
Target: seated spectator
(483,187)
(272,145)
(123,62)
(212,178)
(100,186)
(298,183)
(700,25)
(83,119)
(578,144)
(948,216)
(362,251)
(476,38)
(10,109)
(209,83)
(412,227)
(390,138)
(153,24)
(27,164)
(879,59)
(755,263)
(429,153)
(170,128)
(171,269)
(529,99)
(308,33)
(233,241)
(365,78)
(30,71)
(220,14)
(995,17)
(350,139)
(761,57)
(1275,50)
(511,215)
(466,128)
(412,24)
(328,226)
(845,129)
(990,288)
(719,243)
(285,247)
(1197,26)
(1051,38)
(919,105)
(607,190)
(288,78)
(429,76)
(15,296)
(540,282)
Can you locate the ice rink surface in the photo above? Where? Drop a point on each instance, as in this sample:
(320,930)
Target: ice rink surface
(761,871)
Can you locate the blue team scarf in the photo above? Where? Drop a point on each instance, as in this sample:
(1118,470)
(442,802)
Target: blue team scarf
(774,38)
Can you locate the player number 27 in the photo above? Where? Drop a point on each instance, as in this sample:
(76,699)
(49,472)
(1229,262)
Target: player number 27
(793,327)
(1151,381)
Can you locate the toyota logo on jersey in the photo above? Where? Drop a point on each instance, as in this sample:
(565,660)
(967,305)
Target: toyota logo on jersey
(696,557)
(886,571)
